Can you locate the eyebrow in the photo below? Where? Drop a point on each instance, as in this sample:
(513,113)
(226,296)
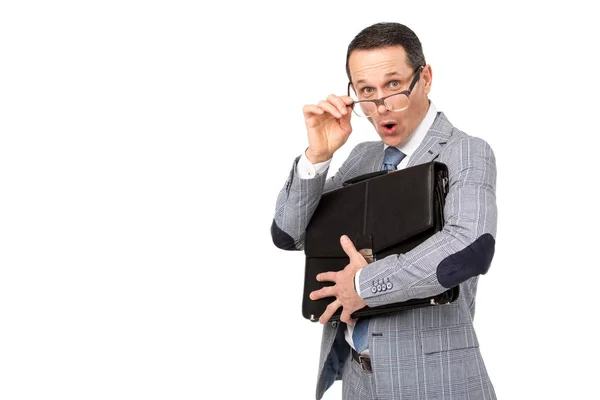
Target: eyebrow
(392,74)
(387,75)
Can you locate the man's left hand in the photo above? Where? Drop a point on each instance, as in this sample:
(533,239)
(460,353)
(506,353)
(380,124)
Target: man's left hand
(343,290)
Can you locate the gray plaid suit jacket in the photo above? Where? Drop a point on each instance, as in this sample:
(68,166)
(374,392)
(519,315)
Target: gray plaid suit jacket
(427,353)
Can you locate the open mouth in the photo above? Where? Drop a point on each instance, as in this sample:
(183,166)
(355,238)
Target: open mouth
(389,128)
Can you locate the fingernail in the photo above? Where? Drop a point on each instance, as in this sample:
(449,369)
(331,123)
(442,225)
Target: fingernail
(345,239)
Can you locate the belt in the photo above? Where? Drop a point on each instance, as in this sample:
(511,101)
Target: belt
(362,360)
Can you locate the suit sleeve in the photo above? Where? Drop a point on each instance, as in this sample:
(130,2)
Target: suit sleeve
(464,248)
(298,199)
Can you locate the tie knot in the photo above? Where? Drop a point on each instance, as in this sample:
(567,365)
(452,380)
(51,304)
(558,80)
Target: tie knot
(392,158)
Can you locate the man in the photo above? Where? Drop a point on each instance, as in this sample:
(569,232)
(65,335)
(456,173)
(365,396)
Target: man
(426,353)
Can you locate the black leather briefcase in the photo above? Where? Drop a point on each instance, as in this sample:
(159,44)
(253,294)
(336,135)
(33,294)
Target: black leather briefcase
(383,213)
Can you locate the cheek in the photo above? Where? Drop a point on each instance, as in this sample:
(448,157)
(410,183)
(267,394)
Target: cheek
(405,122)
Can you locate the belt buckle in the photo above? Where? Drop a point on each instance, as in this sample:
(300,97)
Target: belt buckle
(361,359)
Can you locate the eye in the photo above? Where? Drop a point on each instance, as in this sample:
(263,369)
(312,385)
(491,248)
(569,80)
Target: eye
(367,90)
(395,84)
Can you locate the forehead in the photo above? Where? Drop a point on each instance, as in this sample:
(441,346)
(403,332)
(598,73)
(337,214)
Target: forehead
(366,65)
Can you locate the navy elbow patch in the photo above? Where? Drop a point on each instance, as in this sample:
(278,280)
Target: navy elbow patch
(471,261)
(281,239)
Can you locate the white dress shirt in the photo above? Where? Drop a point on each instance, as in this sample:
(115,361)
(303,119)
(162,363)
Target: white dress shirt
(306,170)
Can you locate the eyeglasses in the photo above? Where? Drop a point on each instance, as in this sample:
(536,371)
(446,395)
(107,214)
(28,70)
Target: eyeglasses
(394,102)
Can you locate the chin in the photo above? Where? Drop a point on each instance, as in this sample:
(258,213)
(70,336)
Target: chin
(391,140)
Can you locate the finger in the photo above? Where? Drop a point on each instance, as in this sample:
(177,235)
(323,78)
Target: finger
(350,250)
(310,109)
(330,108)
(338,102)
(346,317)
(345,122)
(329,311)
(327,277)
(347,100)
(327,291)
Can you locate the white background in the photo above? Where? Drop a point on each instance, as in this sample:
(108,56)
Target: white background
(142,148)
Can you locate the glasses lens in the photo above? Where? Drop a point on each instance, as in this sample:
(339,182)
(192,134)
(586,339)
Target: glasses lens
(397,102)
(361,109)
(365,109)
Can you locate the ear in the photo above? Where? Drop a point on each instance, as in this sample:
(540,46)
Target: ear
(427,76)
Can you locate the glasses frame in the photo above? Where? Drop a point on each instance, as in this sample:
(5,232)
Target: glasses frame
(381,101)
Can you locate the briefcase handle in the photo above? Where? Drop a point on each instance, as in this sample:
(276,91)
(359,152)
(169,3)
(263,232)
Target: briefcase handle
(364,177)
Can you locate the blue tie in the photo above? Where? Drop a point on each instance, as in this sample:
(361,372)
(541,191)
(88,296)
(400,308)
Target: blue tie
(392,158)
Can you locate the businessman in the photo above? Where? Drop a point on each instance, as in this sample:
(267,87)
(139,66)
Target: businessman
(426,353)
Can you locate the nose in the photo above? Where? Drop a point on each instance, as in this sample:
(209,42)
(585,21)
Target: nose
(382,109)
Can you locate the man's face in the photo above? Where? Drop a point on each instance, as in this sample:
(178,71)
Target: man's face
(381,72)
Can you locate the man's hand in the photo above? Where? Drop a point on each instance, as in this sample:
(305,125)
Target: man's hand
(328,127)
(343,289)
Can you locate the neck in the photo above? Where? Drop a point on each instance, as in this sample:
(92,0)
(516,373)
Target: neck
(423,112)
(421,116)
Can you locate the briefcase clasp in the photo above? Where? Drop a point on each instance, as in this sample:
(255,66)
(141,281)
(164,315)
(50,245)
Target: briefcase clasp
(367,254)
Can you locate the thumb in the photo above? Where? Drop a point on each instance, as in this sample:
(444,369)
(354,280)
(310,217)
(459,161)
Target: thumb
(349,248)
(345,120)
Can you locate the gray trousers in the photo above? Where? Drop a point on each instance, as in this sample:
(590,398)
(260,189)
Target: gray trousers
(356,383)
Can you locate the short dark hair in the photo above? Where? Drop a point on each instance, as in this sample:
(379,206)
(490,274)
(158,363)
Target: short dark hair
(386,34)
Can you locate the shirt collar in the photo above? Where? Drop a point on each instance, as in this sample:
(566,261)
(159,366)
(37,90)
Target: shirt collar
(417,136)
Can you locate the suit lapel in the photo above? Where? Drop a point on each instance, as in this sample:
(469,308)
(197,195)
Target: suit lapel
(433,142)
(377,157)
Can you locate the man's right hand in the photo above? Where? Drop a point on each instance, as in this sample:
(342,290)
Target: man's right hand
(328,126)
